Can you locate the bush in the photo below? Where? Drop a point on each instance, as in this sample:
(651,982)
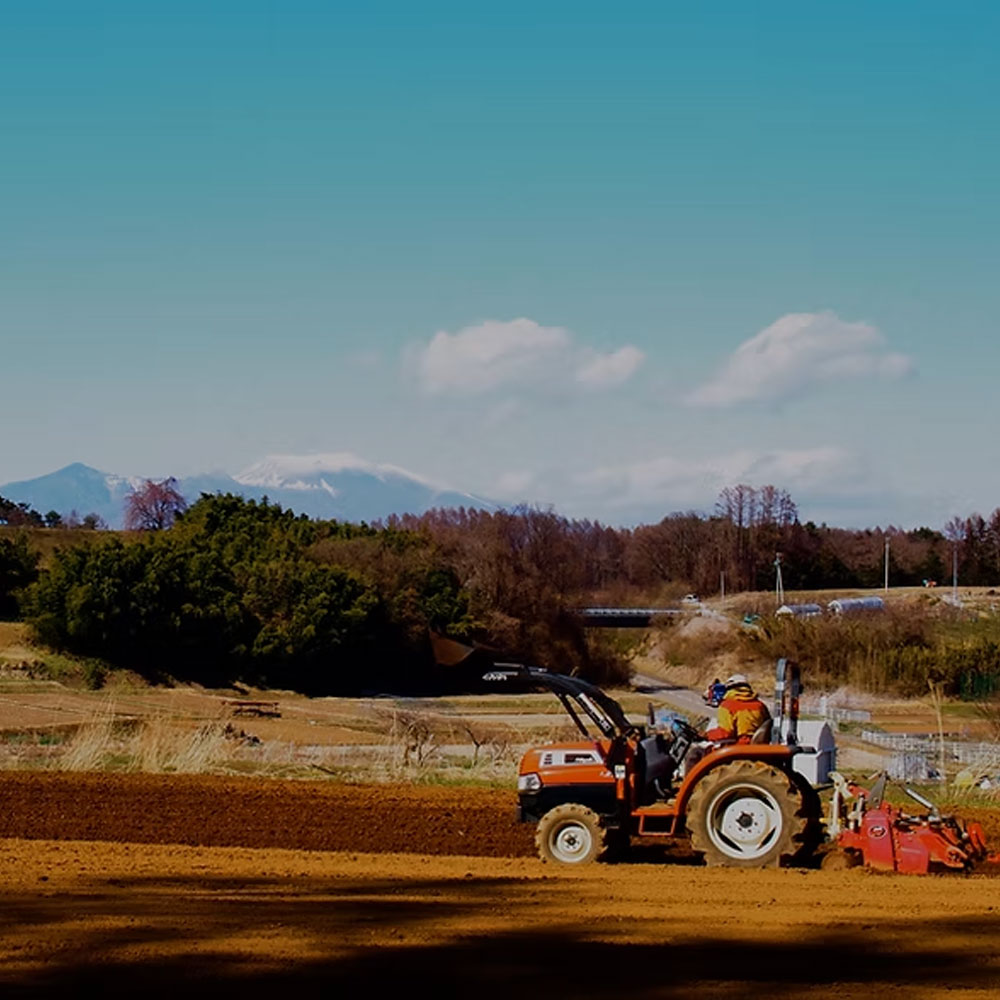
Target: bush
(18,568)
(897,650)
(247,591)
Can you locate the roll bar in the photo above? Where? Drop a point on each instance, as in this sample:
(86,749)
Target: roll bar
(787,688)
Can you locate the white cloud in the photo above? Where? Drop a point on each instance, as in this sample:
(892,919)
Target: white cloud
(675,482)
(503,412)
(484,357)
(795,352)
(602,370)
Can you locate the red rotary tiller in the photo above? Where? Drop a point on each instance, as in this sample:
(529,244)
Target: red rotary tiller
(868,830)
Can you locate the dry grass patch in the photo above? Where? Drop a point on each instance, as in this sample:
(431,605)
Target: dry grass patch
(159,745)
(108,741)
(93,743)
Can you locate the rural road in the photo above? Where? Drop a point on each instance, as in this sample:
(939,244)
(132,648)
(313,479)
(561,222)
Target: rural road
(683,699)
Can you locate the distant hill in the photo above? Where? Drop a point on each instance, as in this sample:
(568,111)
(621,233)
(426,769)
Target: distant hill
(339,485)
(78,488)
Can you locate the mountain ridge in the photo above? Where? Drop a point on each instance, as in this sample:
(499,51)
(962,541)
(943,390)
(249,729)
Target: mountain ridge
(336,485)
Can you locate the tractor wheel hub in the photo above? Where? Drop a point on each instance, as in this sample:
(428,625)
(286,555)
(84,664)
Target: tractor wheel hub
(572,842)
(743,822)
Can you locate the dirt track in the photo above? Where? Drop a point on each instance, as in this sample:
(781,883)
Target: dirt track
(150,919)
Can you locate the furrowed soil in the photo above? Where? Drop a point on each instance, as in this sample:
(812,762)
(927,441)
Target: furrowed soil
(245,812)
(134,885)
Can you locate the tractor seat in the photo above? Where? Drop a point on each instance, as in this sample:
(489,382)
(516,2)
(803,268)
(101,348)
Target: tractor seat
(658,766)
(762,734)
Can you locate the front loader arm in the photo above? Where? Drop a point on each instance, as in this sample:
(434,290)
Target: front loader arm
(600,708)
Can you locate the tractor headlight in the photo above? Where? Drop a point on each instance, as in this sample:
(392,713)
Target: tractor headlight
(528,782)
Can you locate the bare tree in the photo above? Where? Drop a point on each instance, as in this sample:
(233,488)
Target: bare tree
(954,530)
(153,506)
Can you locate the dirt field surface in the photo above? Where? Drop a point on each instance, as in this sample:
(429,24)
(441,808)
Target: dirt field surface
(321,721)
(230,812)
(209,811)
(126,920)
(111,892)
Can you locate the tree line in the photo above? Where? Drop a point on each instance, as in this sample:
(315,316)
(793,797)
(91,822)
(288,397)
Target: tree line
(733,548)
(232,589)
(23,515)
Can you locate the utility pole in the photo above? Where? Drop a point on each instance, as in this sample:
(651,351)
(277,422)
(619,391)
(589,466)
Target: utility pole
(887,564)
(954,572)
(779,587)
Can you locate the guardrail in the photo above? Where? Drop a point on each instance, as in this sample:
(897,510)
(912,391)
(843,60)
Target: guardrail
(955,750)
(820,706)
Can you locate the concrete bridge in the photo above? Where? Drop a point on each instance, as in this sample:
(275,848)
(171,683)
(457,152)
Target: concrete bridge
(622,617)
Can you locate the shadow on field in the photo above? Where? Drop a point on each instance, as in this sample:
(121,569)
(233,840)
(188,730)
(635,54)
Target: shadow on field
(278,938)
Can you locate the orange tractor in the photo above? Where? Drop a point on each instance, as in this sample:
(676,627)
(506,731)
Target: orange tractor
(741,805)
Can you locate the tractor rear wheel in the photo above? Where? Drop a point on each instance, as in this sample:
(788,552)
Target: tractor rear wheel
(814,833)
(749,814)
(572,834)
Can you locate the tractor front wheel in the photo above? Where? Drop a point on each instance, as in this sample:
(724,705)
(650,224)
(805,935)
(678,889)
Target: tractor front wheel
(572,835)
(750,815)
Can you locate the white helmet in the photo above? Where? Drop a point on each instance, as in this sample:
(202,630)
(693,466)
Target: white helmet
(736,680)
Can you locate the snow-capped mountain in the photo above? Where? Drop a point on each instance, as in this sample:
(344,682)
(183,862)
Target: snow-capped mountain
(308,472)
(339,485)
(346,487)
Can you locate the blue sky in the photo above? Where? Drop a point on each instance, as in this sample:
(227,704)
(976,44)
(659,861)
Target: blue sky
(609,257)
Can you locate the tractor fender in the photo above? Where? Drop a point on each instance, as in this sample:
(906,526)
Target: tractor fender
(776,755)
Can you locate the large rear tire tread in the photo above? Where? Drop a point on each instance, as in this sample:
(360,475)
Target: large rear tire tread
(569,824)
(798,809)
(812,811)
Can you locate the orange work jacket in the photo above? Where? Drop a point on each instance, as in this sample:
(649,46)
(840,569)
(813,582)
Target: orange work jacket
(741,713)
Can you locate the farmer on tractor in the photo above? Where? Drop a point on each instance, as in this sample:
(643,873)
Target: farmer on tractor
(742,715)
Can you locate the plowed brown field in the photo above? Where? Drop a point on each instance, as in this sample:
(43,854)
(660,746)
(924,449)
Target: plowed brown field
(118,914)
(245,812)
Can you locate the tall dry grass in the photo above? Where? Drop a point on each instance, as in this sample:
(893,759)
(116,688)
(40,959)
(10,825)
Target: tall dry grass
(160,745)
(155,745)
(426,746)
(92,744)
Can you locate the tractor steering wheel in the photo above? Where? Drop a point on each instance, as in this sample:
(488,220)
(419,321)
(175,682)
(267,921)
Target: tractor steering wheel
(681,728)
